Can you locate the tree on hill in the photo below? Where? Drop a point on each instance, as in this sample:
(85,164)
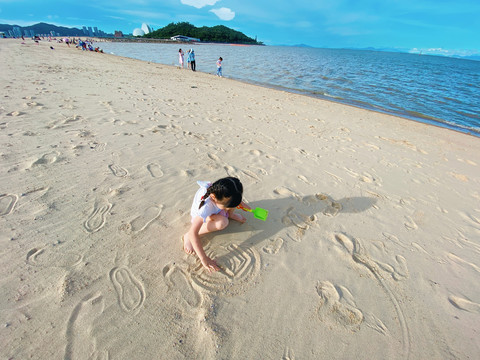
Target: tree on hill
(219,33)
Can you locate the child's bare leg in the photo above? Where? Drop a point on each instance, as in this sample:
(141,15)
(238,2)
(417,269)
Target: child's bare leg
(213,223)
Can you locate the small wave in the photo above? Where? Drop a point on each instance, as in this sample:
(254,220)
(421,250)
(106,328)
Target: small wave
(470,115)
(452,99)
(422,116)
(331,96)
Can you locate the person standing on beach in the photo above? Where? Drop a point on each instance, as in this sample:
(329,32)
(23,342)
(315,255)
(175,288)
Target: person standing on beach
(180,58)
(192,60)
(219,67)
(188,60)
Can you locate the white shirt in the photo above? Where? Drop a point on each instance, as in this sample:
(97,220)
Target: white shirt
(209,208)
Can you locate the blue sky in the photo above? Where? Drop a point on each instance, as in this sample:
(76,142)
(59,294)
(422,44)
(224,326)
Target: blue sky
(435,26)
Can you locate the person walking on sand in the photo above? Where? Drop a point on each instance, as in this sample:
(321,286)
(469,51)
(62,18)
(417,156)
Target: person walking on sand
(212,207)
(180,58)
(192,60)
(219,67)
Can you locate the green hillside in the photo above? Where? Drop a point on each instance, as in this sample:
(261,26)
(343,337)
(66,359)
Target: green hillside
(219,33)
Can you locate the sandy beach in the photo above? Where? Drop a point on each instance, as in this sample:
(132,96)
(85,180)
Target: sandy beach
(371,249)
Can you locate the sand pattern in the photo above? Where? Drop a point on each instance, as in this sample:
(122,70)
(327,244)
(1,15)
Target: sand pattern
(239,266)
(372,220)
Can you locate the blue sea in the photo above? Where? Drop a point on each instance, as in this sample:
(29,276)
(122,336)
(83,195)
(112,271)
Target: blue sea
(432,89)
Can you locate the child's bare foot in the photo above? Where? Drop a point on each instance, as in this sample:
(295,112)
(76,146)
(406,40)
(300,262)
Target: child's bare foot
(238,217)
(187,245)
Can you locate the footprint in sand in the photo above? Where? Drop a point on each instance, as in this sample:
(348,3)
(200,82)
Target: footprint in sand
(273,246)
(44,257)
(141,222)
(305,180)
(214,157)
(463,262)
(80,341)
(335,307)
(47,159)
(99,147)
(118,171)
(398,272)
(360,256)
(251,175)
(15,113)
(96,220)
(410,224)
(273,158)
(286,192)
(288,354)
(178,280)
(332,208)
(464,304)
(256,152)
(301,223)
(155,170)
(130,292)
(7,203)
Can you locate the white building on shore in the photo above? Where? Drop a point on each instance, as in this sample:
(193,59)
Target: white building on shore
(184,38)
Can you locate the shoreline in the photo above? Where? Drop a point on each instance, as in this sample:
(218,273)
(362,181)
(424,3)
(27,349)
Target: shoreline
(372,236)
(422,118)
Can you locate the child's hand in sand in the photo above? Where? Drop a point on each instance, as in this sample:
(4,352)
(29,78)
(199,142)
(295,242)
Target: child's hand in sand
(237,217)
(210,264)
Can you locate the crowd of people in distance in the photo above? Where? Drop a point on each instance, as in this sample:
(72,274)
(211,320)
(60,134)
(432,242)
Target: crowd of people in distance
(86,45)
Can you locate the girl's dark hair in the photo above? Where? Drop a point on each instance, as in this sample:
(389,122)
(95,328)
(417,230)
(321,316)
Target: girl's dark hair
(227,188)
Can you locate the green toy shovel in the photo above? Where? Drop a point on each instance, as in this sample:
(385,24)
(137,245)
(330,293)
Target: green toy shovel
(259,213)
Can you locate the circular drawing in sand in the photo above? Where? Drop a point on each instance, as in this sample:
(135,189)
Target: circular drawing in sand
(238,267)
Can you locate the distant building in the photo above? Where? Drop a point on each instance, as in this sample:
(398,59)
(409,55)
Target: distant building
(118,34)
(146,28)
(184,38)
(85,31)
(138,32)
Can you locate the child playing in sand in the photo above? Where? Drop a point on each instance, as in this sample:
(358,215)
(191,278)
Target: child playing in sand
(219,67)
(212,206)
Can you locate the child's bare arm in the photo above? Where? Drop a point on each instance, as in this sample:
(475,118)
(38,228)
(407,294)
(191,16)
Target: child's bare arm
(208,263)
(244,205)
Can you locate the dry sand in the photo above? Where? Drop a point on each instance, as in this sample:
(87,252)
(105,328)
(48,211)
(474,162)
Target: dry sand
(371,249)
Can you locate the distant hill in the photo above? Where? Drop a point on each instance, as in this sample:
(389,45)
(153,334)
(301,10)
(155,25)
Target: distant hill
(218,34)
(43,28)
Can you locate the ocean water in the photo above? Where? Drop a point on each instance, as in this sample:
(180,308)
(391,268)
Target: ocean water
(437,90)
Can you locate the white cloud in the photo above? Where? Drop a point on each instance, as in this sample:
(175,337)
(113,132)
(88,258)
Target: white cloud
(199,3)
(224,13)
